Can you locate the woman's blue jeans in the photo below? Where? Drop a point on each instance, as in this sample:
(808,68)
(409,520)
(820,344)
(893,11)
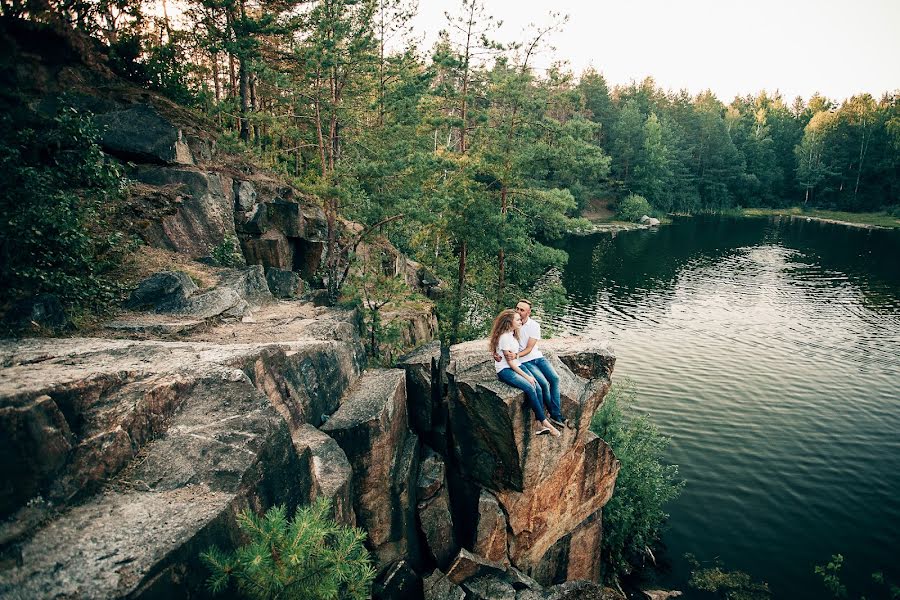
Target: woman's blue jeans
(548,381)
(533,395)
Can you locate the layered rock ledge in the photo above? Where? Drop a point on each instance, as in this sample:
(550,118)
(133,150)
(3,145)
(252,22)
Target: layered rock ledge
(130,457)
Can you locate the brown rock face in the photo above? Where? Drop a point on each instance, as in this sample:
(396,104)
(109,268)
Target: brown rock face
(547,487)
(371,428)
(490,533)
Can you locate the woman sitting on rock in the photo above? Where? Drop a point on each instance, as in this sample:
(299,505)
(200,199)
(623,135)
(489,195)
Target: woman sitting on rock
(504,341)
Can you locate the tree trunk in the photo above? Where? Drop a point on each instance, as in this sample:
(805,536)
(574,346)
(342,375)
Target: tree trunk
(254,106)
(460,291)
(501,257)
(217,86)
(245,100)
(319,134)
(863,146)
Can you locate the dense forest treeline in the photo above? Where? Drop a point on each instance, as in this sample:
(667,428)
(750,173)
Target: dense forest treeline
(487,159)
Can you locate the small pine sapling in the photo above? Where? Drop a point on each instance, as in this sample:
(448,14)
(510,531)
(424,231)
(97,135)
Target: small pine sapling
(309,557)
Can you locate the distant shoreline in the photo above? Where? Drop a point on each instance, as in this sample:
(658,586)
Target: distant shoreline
(877,220)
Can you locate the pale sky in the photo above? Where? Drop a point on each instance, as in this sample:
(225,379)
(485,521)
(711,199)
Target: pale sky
(838,48)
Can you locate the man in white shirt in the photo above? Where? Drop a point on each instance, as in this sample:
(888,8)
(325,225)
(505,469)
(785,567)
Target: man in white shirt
(532,361)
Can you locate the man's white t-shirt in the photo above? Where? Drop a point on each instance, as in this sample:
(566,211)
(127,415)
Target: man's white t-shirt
(529,330)
(507,341)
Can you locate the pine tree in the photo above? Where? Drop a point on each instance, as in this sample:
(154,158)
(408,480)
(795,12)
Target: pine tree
(309,557)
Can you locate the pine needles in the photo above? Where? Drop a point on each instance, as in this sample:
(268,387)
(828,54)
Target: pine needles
(309,557)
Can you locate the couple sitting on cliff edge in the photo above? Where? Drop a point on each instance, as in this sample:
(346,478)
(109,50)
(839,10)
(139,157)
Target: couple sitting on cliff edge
(519,363)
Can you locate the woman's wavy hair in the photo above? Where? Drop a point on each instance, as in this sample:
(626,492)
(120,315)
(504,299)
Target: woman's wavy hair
(502,324)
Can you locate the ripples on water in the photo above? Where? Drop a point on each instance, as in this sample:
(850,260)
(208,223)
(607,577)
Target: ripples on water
(770,352)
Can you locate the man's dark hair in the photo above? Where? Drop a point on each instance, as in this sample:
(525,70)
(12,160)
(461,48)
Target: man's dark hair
(528,302)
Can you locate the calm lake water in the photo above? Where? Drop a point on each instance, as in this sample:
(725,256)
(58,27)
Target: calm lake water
(769,350)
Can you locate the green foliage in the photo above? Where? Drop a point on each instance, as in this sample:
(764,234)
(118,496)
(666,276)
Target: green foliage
(158,66)
(731,585)
(228,253)
(56,204)
(634,516)
(831,579)
(369,287)
(831,576)
(308,557)
(632,208)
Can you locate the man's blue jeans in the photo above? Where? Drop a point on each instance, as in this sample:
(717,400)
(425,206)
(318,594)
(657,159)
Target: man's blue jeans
(512,378)
(548,381)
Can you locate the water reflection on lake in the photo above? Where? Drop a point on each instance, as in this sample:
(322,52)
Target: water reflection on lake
(770,351)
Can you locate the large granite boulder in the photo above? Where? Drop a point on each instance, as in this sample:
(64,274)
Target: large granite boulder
(283,283)
(204,217)
(165,291)
(547,487)
(237,292)
(371,428)
(140,133)
(244,195)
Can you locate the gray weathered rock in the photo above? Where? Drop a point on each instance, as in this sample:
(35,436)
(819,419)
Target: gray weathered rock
(284,283)
(238,291)
(44,311)
(435,515)
(141,133)
(165,291)
(330,473)
(250,284)
(73,412)
(371,428)
(210,443)
(489,588)
(398,582)
(205,215)
(244,195)
(438,586)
